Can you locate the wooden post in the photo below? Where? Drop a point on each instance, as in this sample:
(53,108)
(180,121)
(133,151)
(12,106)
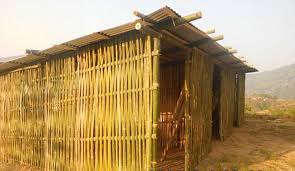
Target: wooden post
(188,163)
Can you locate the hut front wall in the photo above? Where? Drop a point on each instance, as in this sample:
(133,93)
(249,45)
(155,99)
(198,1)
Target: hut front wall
(240,98)
(227,102)
(91,111)
(200,94)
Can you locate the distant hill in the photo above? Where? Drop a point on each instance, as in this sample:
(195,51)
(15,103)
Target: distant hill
(278,82)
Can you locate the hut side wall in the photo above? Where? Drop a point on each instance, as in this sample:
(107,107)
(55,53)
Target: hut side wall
(200,94)
(91,111)
(240,98)
(227,102)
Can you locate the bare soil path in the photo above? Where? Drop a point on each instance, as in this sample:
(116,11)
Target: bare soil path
(263,143)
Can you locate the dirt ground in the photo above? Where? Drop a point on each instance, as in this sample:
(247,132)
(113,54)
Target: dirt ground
(262,143)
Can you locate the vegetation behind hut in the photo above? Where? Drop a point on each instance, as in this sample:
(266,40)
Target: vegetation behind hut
(279,82)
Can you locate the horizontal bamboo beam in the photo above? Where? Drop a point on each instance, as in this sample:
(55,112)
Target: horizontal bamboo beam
(241,57)
(188,18)
(200,42)
(70,45)
(65,47)
(232,51)
(222,53)
(171,38)
(210,31)
(228,47)
(168,23)
(143,17)
(206,40)
(217,38)
(236,63)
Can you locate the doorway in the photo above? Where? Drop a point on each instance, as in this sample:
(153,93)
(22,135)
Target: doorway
(216,91)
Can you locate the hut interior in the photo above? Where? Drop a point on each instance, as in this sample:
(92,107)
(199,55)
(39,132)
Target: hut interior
(171,130)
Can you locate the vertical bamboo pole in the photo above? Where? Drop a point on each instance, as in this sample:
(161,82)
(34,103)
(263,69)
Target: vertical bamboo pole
(100,108)
(123,103)
(108,106)
(95,112)
(188,163)
(155,96)
(127,103)
(140,113)
(117,104)
(134,106)
(147,68)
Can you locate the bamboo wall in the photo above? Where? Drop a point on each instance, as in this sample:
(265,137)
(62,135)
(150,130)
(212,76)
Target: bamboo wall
(227,102)
(200,94)
(240,99)
(95,110)
(22,121)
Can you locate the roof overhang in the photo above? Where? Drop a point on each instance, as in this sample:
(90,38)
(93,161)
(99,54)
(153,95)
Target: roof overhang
(186,34)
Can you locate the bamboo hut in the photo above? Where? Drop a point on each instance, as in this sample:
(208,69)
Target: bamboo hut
(147,95)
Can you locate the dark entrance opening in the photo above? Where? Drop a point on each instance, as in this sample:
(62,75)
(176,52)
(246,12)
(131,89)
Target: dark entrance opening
(216,90)
(236,118)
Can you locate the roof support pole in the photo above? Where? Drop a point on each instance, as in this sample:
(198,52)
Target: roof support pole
(187,115)
(156,96)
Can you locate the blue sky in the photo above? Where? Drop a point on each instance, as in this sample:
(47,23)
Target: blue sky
(262,30)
